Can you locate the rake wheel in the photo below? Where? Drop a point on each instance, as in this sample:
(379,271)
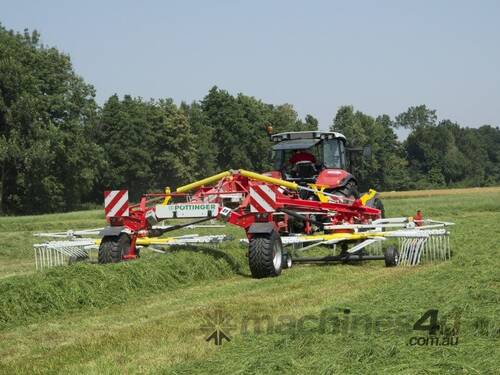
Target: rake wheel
(265,256)
(391,256)
(113,248)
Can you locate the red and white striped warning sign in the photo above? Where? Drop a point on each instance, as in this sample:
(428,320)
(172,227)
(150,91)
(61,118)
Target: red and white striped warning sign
(262,198)
(116,203)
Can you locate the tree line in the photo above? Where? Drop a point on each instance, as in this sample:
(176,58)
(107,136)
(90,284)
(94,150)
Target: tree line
(59,149)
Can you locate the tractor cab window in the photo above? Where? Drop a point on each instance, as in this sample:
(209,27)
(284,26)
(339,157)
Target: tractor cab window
(334,154)
(329,153)
(283,152)
(278,157)
(282,157)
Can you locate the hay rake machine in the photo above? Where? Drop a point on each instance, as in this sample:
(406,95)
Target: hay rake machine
(279,224)
(310,203)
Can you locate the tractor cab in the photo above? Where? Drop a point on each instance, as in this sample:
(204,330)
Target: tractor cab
(313,157)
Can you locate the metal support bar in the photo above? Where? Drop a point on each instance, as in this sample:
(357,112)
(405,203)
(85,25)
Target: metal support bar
(301,217)
(157,232)
(337,258)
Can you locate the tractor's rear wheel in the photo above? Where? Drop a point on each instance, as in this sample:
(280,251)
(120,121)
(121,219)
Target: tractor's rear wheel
(113,248)
(265,255)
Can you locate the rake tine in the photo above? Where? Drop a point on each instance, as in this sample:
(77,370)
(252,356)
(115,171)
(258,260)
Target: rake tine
(410,252)
(442,248)
(430,246)
(445,248)
(435,247)
(438,248)
(414,251)
(407,250)
(402,246)
(421,247)
(448,245)
(432,249)
(400,251)
(418,250)
(436,240)
(425,250)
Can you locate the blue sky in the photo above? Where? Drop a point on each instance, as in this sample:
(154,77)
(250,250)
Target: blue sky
(379,56)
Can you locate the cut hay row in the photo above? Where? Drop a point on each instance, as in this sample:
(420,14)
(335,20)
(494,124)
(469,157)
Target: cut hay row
(62,289)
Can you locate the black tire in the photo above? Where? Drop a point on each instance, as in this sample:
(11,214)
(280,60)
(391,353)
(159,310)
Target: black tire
(350,190)
(377,203)
(265,256)
(286,260)
(391,256)
(113,248)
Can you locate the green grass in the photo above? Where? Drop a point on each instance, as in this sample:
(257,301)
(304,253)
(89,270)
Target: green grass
(16,236)
(95,319)
(64,289)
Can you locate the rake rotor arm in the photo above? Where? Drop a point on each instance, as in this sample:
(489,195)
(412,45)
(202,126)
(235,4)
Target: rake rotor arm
(270,180)
(202,182)
(290,185)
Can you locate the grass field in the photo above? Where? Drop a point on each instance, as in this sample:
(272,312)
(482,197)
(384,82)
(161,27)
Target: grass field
(148,315)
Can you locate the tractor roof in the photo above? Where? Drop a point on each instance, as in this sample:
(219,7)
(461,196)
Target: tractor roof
(311,137)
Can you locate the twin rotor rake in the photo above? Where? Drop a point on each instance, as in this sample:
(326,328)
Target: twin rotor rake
(264,207)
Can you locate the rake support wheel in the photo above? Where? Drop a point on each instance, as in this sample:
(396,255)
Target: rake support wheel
(113,248)
(391,256)
(265,255)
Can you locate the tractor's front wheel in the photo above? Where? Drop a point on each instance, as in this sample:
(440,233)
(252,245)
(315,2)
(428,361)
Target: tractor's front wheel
(265,255)
(350,190)
(377,203)
(113,248)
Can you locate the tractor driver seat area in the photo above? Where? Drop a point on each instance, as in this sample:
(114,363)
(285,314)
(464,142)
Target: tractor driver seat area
(305,171)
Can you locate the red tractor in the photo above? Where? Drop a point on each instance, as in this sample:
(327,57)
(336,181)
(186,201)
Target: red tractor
(314,157)
(319,158)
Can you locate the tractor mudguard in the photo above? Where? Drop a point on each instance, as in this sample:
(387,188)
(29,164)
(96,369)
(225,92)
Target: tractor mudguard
(111,231)
(261,228)
(348,178)
(334,178)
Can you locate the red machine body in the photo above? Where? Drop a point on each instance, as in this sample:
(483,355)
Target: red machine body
(278,209)
(333,178)
(282,199)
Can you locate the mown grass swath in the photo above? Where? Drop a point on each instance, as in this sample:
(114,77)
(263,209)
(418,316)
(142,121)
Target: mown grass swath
(90,286)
